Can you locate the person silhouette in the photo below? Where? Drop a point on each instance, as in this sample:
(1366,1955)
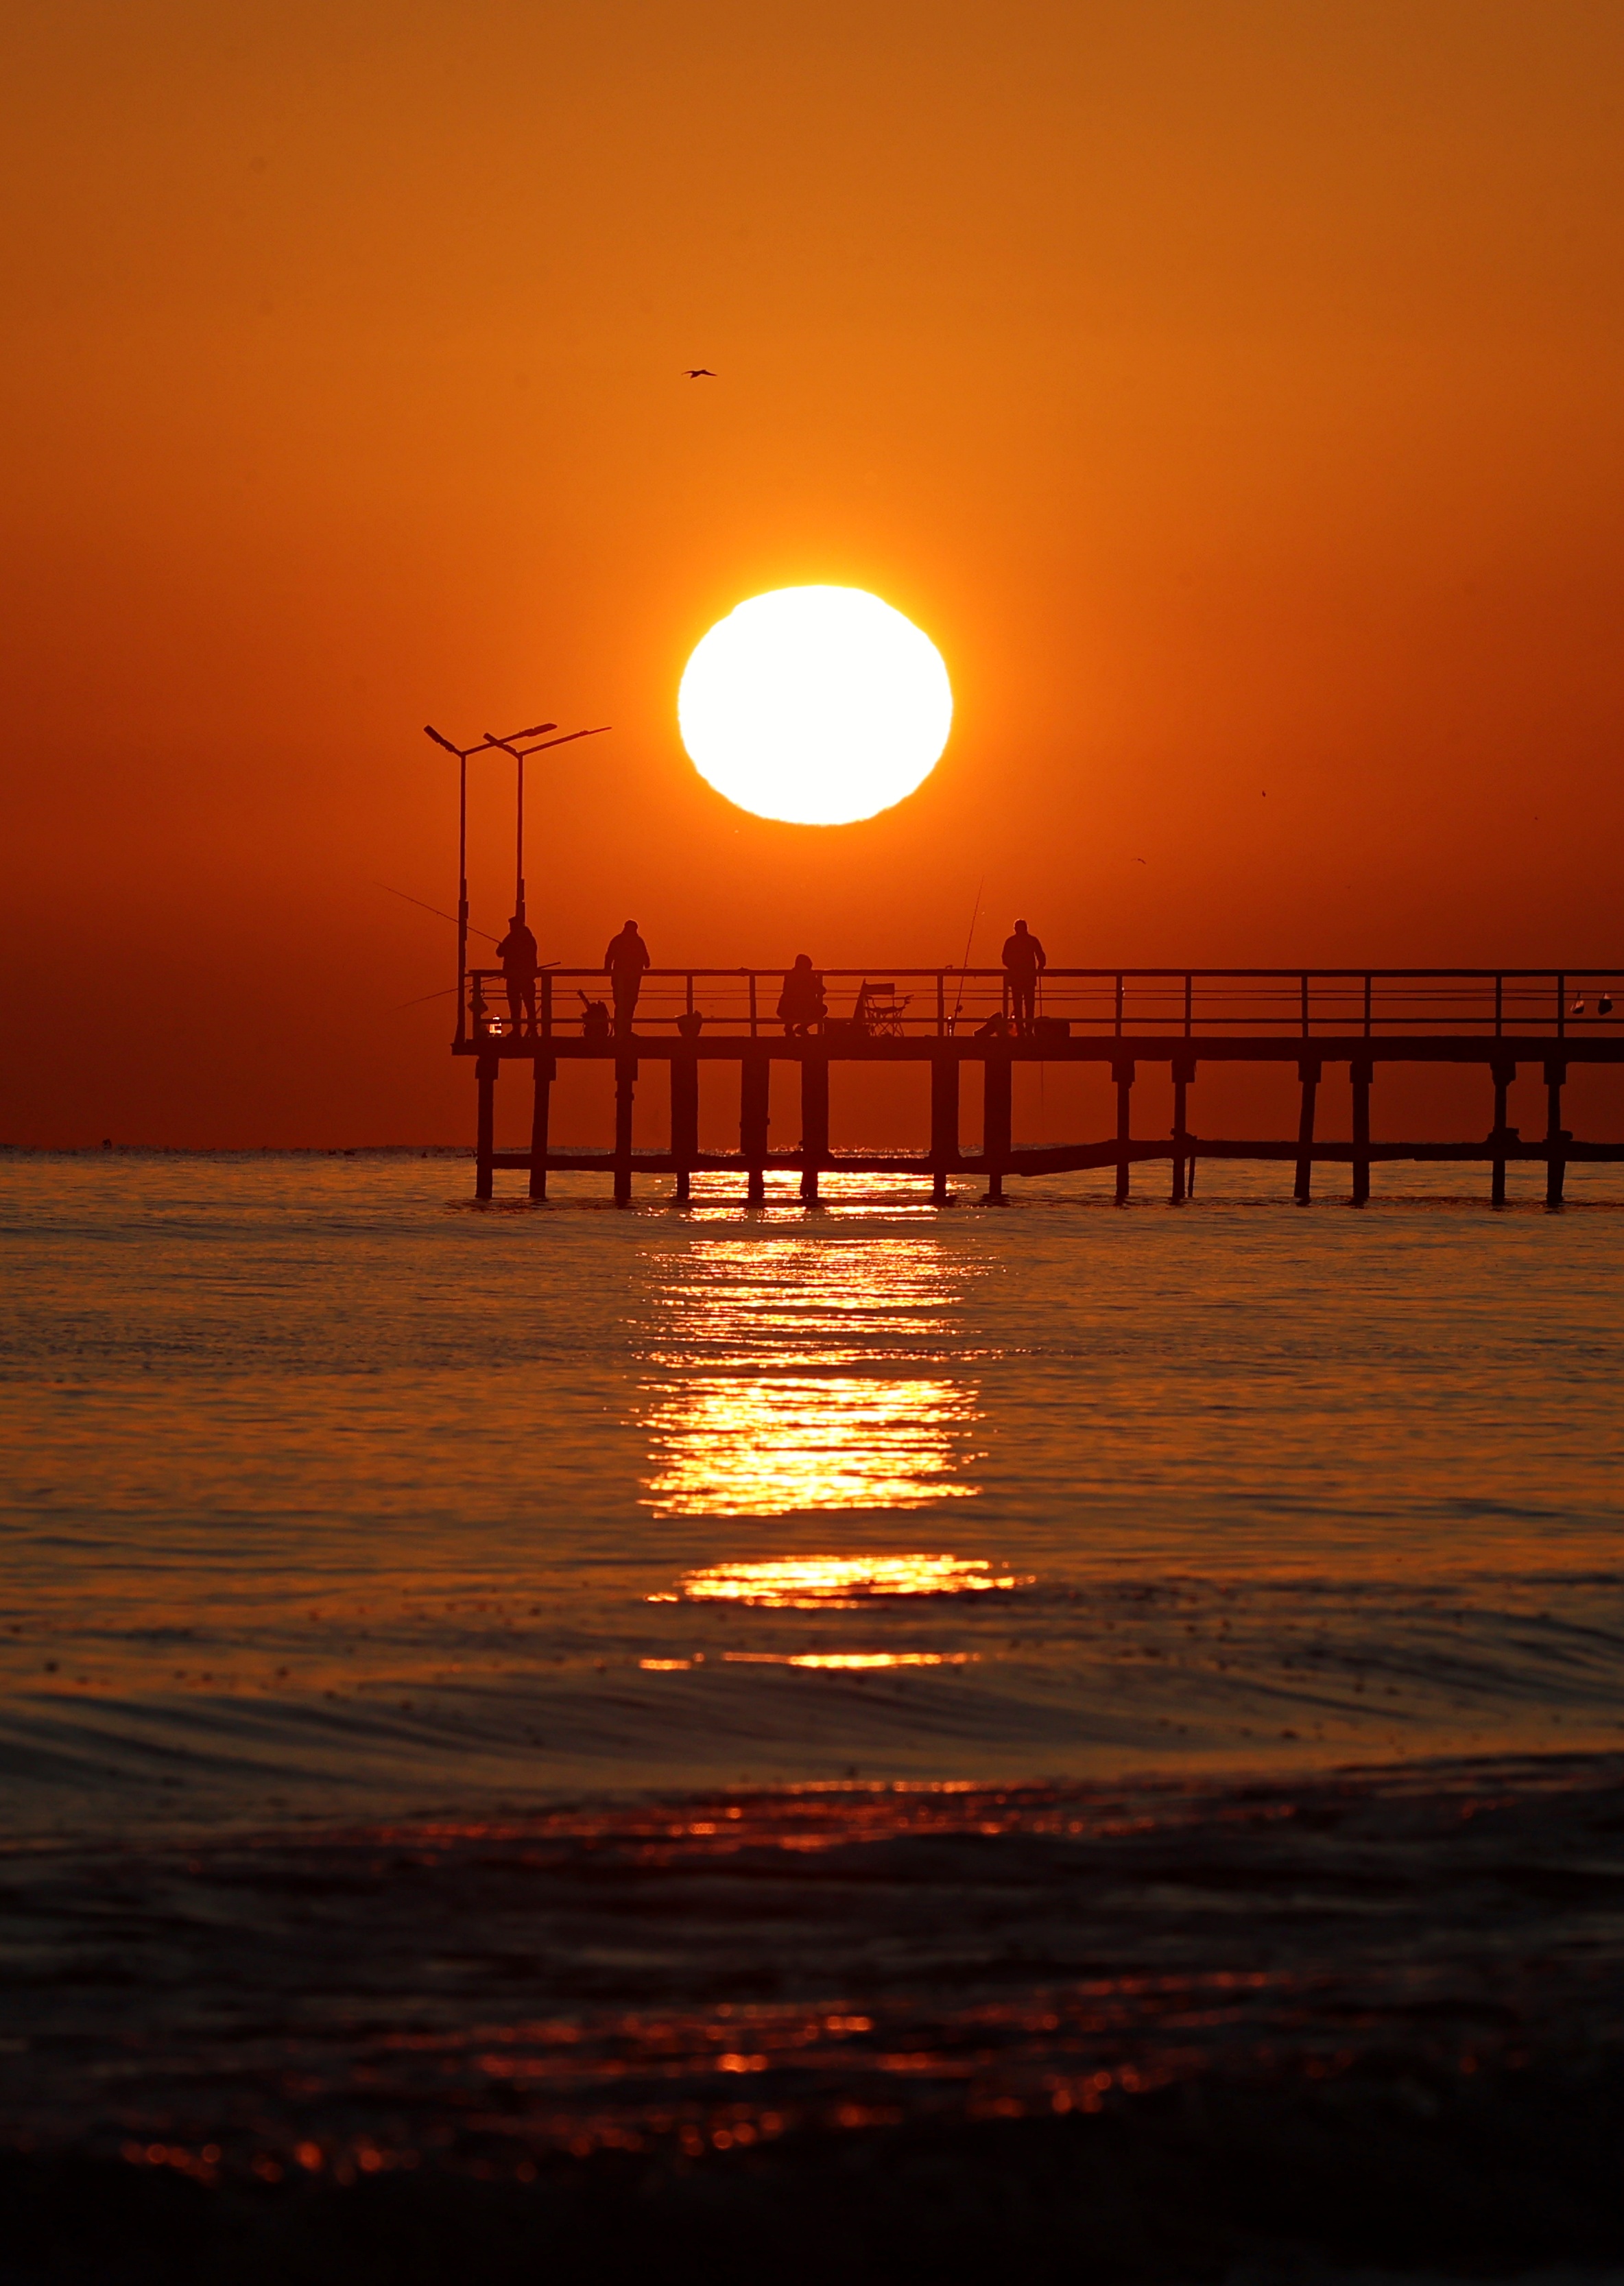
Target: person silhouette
(801,1003)
(517,955)
(1024,961)
(626,960)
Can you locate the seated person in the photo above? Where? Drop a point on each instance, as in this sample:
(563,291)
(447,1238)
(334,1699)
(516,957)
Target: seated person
(801,1003)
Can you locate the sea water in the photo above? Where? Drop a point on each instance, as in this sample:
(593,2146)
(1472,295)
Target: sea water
(485,1681)
(331,1494)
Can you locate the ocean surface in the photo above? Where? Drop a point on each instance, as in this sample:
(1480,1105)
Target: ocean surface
(585,1674)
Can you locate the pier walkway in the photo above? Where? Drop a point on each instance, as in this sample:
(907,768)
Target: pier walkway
(1498,1020)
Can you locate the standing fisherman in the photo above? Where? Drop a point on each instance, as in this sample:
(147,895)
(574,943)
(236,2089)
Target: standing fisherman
(517,955)
(626,960)
(1024,961)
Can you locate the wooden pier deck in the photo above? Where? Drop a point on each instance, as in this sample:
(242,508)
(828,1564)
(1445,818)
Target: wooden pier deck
(1497,1020)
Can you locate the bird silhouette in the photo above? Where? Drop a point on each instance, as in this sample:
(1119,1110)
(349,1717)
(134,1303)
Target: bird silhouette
(698,372)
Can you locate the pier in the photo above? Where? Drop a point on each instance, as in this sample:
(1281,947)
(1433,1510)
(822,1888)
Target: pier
(1543,1022)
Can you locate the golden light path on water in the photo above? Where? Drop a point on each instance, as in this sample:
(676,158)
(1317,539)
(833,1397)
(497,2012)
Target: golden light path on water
(725,1445)
(849,1661)
(824,1583)
(761,1408)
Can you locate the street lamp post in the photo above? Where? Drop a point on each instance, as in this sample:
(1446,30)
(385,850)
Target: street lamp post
(462,754)
(521,755)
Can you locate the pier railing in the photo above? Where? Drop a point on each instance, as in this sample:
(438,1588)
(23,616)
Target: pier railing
(884,1001)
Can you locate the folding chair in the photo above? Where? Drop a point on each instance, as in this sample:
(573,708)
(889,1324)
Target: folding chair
(879,1011)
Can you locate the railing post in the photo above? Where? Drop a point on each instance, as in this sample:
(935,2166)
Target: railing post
(1367,1007)
(752,1004)
(1361,1074)
(485,1140)
(940,1005)
(1189,1002)
(547,1003)
(1562,1007)
(1119,1007)
(1500,1006)
(1304,1005)
(1122,1072)
(1308,1072)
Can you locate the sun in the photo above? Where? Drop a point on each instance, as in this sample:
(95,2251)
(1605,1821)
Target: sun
(818,706)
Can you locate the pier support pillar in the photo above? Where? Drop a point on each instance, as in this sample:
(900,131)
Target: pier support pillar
(1308,1072)
(1556,1134)
(754,1075)
(1504,1072)
(545,1071)
(943,1124)
(1122,1072)
(1184,1072)
(625,1076)
(1362,1072)
(997,1124)
(484,1135)
(814,1118)
(684,1121)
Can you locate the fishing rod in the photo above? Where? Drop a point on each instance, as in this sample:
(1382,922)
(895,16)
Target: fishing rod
(969,941)
(432,908)
(445,992)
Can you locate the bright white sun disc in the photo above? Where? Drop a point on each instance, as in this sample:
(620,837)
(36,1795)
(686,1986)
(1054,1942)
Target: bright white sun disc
(819,705)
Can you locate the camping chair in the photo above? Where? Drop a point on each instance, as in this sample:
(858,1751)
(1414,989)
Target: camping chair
(879,1011)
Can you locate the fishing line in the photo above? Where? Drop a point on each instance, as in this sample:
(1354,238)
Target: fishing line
(435,910)
(969,941)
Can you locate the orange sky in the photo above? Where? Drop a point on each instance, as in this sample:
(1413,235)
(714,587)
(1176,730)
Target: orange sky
(1232,390)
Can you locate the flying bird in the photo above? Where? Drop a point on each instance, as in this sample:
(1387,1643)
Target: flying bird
(698,372)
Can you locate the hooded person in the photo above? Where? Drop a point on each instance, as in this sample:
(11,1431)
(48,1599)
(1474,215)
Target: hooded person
(801,1003)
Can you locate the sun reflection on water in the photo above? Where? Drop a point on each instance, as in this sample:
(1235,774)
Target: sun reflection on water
(863,1660)
(798,1374)
(723,1446)
(806,1301)
(840,1583)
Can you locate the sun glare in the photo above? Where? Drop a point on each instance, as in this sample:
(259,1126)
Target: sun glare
(818,706)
